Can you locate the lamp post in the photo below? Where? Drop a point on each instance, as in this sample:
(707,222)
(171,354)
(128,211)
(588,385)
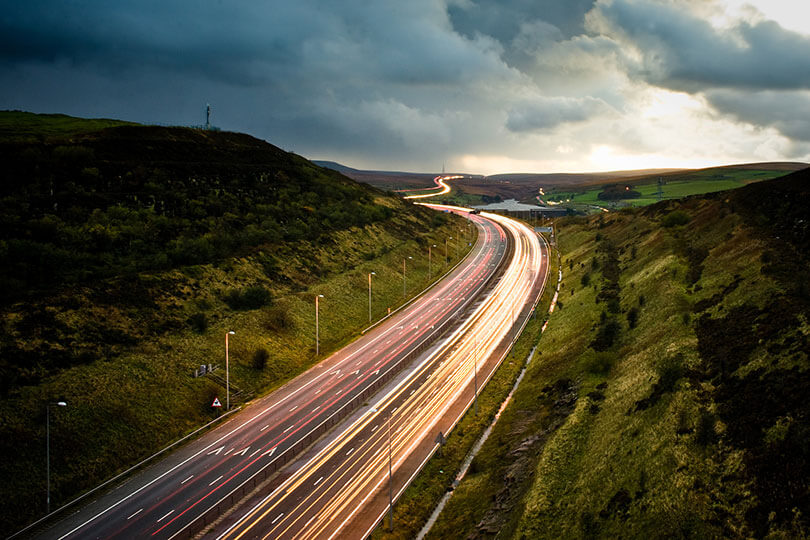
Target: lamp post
(60,403)
(404,290)
(317,337)
(430,263)
(369,295)
(445,249)
(227,373)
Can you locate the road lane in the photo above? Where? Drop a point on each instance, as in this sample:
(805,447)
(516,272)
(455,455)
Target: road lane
(342,489)
(170,496)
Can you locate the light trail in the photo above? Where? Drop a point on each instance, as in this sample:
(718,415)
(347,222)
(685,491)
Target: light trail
(323,497)
(440,182)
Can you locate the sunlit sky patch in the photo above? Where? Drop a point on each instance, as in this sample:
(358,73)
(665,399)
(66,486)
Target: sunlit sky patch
(481,86)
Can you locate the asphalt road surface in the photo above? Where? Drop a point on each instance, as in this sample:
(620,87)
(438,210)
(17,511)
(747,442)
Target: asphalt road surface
(344,485)
(325,410)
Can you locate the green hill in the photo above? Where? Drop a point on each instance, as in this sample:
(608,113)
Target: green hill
(130,250)
(669,398)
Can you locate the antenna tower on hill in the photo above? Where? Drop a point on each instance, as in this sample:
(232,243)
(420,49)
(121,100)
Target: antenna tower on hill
(207,116)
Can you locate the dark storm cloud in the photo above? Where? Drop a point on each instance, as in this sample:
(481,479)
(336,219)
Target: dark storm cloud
(784,111)
(503,20)
(683,52)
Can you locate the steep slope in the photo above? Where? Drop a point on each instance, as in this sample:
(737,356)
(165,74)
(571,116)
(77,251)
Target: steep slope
(130,251)
(684,334)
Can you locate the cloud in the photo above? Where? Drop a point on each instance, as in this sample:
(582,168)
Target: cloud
(675,48)
(783,110)
(549,112)
(410,85)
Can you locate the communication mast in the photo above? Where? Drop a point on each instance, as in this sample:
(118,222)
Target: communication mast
(207,116)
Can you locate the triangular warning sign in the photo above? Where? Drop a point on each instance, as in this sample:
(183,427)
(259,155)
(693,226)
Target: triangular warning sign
(216,403)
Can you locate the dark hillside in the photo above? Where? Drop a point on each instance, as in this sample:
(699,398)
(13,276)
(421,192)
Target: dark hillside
(133,198)
(130,251)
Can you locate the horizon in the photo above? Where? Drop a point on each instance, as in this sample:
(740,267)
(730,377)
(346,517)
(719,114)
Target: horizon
(586,86)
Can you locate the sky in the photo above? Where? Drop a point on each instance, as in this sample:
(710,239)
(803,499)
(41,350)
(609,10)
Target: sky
(476,86)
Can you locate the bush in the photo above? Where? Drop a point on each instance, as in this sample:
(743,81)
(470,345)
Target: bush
(597,362)
(276,319)
(632,317)
(586,279)
(607,334)
(260,357)
(250,298)
(675,219)
(198,322)
(670,371)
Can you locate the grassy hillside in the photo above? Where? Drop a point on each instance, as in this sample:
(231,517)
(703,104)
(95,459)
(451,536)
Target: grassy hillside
(674,185)
(132,250)
(670,398)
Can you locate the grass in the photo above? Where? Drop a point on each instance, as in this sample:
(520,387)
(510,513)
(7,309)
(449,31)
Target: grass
(156,400)
(694,183)
(418,501)
(660,441)
(21,126)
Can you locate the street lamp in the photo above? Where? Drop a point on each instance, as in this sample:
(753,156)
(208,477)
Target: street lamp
(430,263)
(390,482)
(445,249)
(227,373)
(404,293)
(317,337)
(369,295)
(60,403)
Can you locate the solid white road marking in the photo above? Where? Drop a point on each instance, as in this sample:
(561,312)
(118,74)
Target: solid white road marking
(167,515)
(212,483)
(187,479)
(135,514)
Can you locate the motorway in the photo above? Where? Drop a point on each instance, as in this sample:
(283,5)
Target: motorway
(343,488)
(185,492)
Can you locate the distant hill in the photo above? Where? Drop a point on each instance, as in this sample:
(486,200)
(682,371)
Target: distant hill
(334,166)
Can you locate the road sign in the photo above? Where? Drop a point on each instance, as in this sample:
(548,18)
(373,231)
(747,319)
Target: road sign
(216,403)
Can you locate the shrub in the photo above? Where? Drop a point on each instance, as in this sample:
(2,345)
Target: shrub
(670,371)
(632,317)
(704,431)
(607,334)
(675,219)
(250,298)
(198,322)
(586,279)
(260,357)
(598,362)
(276,319)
